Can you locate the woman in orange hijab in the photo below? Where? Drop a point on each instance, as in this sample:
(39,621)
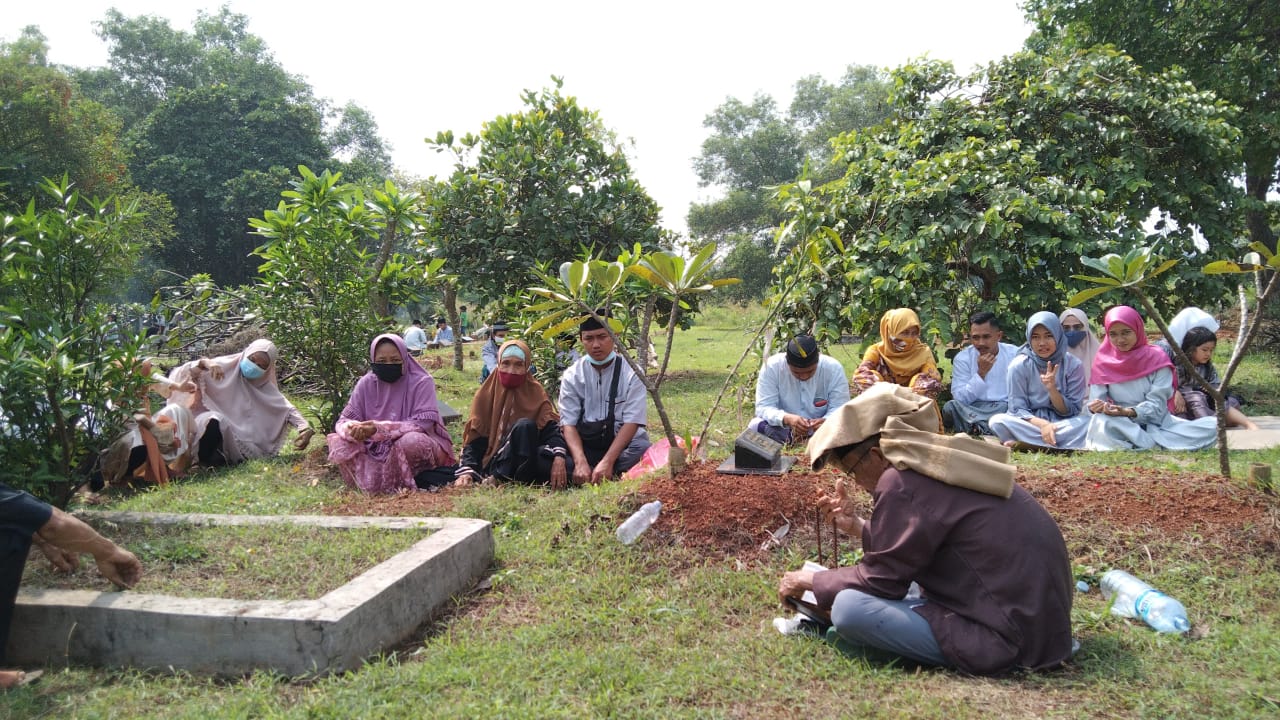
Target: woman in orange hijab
(513,432)
(899,357)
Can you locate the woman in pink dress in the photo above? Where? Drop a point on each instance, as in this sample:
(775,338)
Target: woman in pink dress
(390,430)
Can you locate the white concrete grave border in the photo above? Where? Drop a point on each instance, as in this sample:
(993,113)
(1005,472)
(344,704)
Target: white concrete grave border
(333,633)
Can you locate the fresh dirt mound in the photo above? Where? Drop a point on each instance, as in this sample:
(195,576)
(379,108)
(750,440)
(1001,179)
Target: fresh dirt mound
(734,514)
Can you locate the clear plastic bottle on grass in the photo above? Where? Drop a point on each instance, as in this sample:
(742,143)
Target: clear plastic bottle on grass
(1131,597)
(639,521)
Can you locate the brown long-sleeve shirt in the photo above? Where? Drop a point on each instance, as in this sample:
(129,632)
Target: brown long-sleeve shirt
(995,572)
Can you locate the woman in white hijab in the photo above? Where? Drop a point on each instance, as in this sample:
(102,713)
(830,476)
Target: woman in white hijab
(240,413)
(1081,341)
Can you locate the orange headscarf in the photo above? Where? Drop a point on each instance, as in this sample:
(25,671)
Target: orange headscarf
(904,364)
(495,408)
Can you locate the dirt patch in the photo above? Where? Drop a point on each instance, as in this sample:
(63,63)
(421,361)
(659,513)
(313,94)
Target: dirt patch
(409,503)
(734,514)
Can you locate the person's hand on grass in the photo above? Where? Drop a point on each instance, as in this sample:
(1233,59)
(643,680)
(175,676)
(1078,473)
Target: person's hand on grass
(120,566)
(304,439)
(559,475)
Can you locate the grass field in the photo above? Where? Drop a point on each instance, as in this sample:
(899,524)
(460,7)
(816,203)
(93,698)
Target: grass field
(577,625)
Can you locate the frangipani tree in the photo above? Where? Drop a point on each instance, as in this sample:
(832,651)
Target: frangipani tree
(584,286)
(1137,268)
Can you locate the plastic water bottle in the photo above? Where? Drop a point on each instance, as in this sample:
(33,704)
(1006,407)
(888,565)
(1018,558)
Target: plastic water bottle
(1130,597)
(639,521)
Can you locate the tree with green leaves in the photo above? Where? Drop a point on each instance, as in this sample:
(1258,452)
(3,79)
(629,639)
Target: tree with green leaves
(214,122)
(66,385)
(535,186)
(983,191)
(755,147)
(49,129)
(1134,272)
(1231,48)
(583,287)
(328,274)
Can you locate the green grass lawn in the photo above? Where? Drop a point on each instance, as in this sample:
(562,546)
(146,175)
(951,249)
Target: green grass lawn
(577,625)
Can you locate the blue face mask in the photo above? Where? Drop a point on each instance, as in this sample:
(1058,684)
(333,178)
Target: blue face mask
(250,370)
(608,359)
(1075,337)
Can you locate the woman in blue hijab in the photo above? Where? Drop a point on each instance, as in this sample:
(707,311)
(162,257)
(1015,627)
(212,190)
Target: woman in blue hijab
(1047,390)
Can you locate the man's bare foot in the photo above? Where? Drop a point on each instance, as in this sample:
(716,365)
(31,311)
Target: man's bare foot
(1010,443)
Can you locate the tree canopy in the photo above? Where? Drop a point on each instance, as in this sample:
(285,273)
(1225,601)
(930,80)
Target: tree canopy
(536,186)
(49,129)
(1231,48)
(213,121)
(985,191)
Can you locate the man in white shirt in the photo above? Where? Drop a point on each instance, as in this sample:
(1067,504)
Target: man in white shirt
(601,450)
(979,377)
(797,390)
(415,338)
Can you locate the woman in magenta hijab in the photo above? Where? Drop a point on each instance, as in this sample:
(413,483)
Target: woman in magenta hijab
(390,430)
(1131,393)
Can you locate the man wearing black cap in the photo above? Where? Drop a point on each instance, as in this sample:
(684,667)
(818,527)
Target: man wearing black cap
(497,336)
(797,390)
(602,408)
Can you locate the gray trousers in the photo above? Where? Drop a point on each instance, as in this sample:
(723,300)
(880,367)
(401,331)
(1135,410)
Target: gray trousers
(972,417)
(889,625)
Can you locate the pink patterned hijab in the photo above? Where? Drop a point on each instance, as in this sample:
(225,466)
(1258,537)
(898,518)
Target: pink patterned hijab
(1112,366)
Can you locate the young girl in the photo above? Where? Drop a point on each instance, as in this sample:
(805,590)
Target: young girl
(1192,402)
(1131,393)
(1046,391)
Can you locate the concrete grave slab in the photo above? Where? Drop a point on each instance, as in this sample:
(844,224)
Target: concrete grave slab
(333,633)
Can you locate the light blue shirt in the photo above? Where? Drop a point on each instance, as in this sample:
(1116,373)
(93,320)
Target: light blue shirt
(779,393)
(444,336)
(968,386)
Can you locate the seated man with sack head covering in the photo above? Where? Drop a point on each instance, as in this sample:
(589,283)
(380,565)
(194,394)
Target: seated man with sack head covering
(603,409)
(992,567)
(797,390)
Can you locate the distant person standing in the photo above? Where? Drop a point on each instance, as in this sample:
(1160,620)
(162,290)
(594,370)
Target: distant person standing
(415,338)
(462,322)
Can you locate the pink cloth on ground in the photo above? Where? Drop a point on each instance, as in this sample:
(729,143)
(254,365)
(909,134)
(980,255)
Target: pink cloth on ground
(408,452)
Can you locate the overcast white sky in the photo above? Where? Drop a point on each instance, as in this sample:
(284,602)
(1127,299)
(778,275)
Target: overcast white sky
(653,71)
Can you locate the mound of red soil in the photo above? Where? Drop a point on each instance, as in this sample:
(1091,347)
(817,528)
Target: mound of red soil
(734,514)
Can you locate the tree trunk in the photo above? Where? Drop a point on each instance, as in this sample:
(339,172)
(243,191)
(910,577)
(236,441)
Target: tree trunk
(378,302)
(451,309)
(1259,174)
(646,322)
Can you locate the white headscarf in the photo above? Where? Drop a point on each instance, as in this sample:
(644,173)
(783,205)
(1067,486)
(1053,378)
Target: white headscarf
(1188,318)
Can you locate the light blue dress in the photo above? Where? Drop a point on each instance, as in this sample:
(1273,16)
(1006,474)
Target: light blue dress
(1028,397)
(1155,426)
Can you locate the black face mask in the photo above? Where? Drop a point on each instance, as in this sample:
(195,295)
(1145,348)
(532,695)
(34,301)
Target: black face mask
(387,372)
